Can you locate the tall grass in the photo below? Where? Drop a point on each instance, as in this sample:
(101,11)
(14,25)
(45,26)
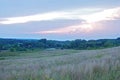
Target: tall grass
(81,65)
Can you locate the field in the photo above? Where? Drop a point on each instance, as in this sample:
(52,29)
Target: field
(59,64)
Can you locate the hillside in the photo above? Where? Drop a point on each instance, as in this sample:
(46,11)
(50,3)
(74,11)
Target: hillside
(64,64)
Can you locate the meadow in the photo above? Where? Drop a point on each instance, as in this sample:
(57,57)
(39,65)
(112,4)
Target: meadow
(66,64)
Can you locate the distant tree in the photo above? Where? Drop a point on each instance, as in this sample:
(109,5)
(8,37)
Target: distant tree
(42,43)
(0,48)
(118,38)
(12,49)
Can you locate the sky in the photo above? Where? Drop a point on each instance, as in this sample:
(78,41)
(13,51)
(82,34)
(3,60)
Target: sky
(60,19)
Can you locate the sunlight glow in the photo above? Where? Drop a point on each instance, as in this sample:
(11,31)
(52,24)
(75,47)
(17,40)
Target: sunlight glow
(87,27)
(70,29)
(93,17)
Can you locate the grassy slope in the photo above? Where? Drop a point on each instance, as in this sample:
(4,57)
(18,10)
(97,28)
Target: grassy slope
(62,65)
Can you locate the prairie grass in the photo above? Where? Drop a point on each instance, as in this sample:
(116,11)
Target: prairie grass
(101,64)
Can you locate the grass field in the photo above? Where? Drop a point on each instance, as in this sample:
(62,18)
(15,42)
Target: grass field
(101,64)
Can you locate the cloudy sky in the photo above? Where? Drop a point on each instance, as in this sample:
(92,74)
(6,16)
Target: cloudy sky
(60,19)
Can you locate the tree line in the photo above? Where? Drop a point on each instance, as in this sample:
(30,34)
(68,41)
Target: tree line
(31,44)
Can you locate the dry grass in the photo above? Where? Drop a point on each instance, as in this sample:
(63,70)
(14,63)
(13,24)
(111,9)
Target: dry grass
(63,65)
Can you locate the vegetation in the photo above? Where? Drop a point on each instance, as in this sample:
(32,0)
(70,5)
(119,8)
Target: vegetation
(59,60)
(24,45)
(64,64)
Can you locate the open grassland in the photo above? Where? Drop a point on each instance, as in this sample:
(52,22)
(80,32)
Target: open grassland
(101,64)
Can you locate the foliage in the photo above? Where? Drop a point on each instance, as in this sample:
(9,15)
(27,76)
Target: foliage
(29,44)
